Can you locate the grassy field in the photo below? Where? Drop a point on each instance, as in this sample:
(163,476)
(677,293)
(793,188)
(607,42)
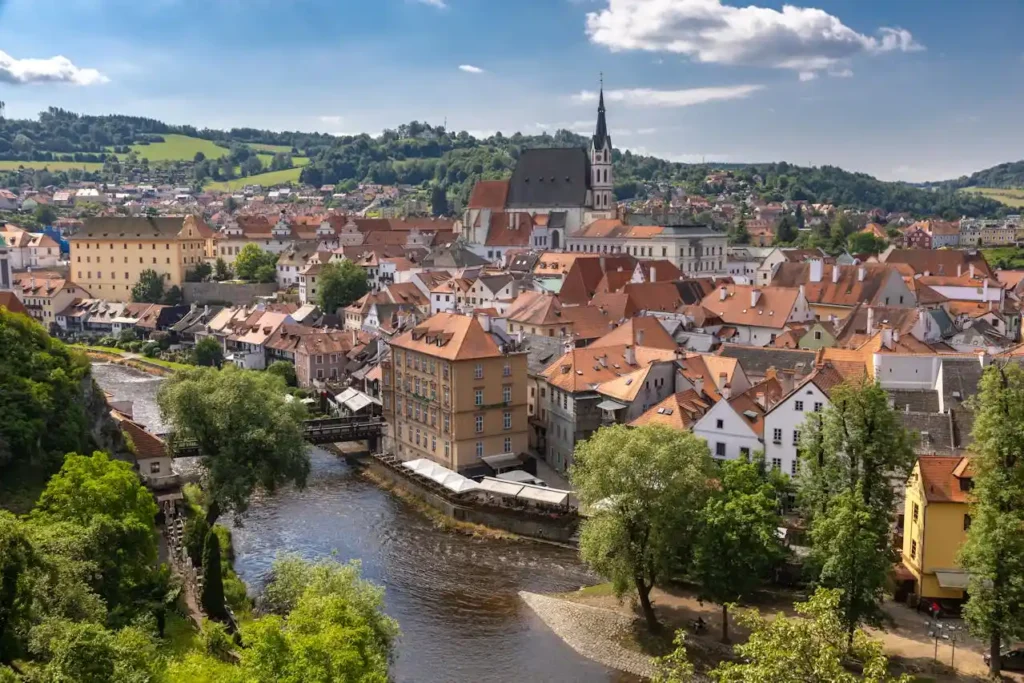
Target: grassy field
(272,149)
(1010,196)
(289,175)
(1004,257)
(52,165)
(179,148)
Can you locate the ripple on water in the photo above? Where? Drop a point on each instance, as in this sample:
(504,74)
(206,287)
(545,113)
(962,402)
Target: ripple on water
(455,597)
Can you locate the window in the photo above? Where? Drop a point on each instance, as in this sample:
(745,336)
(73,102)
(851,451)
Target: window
(719,424)
(817,333)
(479,420)
(447,424)
(817,407)
(776,463)
(445,395)
(745,453)
(507,370)
(478,371)
(719,450)
(776,436)
(533,391)
(444,371)
(447,450)
(506,393)
(418,437)
(154,468)
(506,422)
(796,437)
(478,397)
(798,406)
(913,550)
(479,449)
(433,442)
(917,511)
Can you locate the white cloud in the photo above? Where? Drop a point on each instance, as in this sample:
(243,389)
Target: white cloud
(841,73)
(470,69)
(808,75)
(439,4)
(799,38)
(645,97)
(57,69)
(646,131)
(334,120)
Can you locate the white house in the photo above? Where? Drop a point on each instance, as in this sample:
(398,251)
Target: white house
(730,430)
(784,422)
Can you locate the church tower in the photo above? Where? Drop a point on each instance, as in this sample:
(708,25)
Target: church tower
(601,180)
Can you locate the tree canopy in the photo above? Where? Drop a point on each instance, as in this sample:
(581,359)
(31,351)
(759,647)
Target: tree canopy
(643,490)
(252,263)
(208,352)
(149,289)
(340,284)
(249,435)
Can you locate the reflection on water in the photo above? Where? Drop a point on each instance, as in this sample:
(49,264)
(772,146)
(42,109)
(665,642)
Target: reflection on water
(455,598)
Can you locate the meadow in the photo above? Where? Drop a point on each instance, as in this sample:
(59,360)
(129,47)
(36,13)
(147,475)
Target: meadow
(1011,196)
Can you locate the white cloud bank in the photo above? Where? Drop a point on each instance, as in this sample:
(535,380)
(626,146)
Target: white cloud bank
(803,39)
(57,69)
(470,69)
(439,4)
(645,97)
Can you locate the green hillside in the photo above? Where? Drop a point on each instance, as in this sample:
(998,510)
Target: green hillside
(11,165)
(1011,196)
(288,175)
(272,149)
(179,148)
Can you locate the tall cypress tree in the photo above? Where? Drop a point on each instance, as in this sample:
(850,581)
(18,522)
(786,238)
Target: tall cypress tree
(212,598)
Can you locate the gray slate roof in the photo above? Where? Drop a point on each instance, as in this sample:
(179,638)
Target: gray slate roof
(549,177)
(756,360)
(918,401)
(541,352)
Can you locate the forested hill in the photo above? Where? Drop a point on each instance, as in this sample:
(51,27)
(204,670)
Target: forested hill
(418,153)
(1006,175)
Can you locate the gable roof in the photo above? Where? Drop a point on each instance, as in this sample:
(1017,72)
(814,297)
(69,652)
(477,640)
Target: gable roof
(489,194)
(130,227)
(584,369)
(849,290)
(552,177)
(772,309)
(938,261)
(679,411)
(12,303)
(941,484)
(640,331)
(450,336)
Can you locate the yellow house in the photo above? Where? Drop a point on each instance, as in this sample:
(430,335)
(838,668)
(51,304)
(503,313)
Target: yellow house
(935,524)
(109,253)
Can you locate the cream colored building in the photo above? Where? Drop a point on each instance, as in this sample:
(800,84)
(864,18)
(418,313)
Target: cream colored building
(46,294)
(452,395)
(109,254)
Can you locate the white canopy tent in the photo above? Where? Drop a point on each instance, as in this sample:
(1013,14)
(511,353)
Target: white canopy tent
(442,475)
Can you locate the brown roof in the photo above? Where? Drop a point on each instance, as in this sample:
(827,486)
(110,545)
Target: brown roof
(12,303)
(940,483)
(331,341)
(39,284)
(509,230)
(580,284)
(849,290)
(584,369)
(641,331)
(678,411)
(938,261)
(450,336)
(664,270)
(773,307)
(616,305)
(147,446)
(654,296)
(536,308)
(586,322)
(489,194)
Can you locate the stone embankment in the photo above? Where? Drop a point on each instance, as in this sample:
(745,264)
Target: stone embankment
(594,632)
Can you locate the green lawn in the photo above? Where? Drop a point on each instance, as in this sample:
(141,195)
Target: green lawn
(170,365)
(1004,257)
(179,148)
(1010,196)
(51,165)
(289,175)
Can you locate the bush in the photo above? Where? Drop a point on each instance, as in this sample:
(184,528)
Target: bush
(107,341)
(150,349)
(127,335)
(162,338)
(216,640)
(135,346)
(194,536)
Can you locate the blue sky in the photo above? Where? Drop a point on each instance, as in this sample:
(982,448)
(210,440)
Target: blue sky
(901,89)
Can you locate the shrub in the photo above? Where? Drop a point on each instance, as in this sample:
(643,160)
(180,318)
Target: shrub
(150,349)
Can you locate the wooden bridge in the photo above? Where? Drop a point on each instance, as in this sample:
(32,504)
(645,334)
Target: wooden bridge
(324,430)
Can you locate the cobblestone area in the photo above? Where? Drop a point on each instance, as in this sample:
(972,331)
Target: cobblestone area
(593,632)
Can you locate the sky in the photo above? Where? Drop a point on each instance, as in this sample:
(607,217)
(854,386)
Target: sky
(901,89)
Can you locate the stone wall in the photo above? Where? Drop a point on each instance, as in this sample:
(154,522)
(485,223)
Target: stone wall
(539,526)
(226,292)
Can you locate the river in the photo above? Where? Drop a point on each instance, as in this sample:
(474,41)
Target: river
(455,598)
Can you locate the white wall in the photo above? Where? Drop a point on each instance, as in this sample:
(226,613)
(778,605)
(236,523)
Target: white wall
(786,417)
(899,371)
(736,432)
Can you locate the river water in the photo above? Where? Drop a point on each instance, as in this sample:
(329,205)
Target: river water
(455,598)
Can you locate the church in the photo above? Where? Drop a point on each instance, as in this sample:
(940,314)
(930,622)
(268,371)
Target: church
(552,194)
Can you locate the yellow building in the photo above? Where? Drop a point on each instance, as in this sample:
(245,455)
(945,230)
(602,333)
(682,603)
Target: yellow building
(46,294)
(452,395)
(108,254)
(936,520)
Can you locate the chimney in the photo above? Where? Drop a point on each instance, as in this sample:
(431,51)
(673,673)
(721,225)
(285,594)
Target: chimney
(755,295)
(895,336)
(959,269)
(653,279)
(726,391)
(630,355)
(861,272)
(971,267)
(722,293)
(639,337)
(871,321)
(835,273)
(760,400)
(817,266)
(698,385)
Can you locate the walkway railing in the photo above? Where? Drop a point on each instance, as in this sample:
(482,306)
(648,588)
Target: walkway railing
(319,431)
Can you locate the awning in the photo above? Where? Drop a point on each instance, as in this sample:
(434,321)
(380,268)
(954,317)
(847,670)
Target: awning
(609,404)
(951,578)
(499,487)
(355,400)
(519,476)
(502,460)
(542,494)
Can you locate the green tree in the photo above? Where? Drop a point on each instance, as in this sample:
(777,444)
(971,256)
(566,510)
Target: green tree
(17,559)
(199,157)
(799,219)
(212,598)
(221,271)
(438,201)
(89,653)
(249,435)
(340,284)
(643,490)
(848,453)
(740,235)
(284,370)
(266,273)
(809,648)
(208,353)
(201,272)
(993,554)
(45,214)
(738,541)
(149,289)
(252,166)
(173,296)
(785,232)
(250,259)
(865,243)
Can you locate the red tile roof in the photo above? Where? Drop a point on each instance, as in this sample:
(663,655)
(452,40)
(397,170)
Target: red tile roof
(941,485)
(489,194)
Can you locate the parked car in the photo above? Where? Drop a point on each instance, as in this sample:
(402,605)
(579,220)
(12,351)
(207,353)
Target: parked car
(942,609)
(1010,660)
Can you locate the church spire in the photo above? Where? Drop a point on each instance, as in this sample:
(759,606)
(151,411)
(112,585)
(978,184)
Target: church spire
(601,134)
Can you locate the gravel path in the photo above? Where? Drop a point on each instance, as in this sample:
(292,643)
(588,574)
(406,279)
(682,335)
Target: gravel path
(593,632)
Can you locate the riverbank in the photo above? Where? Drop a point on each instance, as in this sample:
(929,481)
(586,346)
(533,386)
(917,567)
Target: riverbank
(152,366)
